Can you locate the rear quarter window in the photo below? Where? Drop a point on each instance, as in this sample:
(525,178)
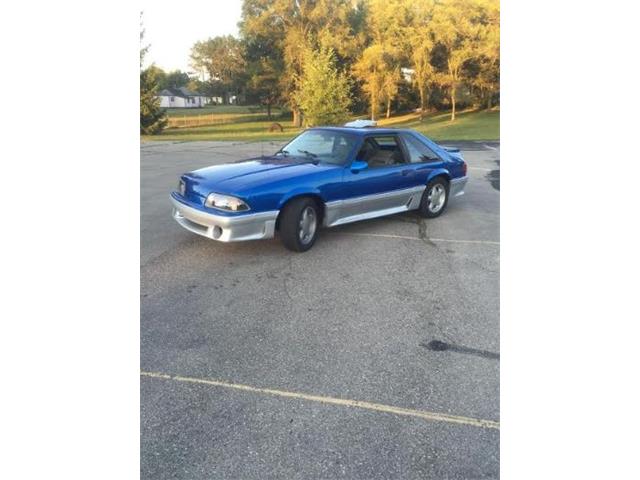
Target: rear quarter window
(418,151)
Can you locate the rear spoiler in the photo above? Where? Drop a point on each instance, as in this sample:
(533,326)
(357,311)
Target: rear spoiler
(454,152)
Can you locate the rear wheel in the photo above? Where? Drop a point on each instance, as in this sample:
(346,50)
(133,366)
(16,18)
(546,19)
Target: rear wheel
(299,224)
(435,198)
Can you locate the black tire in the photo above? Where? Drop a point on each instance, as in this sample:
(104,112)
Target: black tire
(291,224)
(432,210)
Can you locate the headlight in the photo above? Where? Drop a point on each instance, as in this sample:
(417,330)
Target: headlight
(225,202)
(181,188)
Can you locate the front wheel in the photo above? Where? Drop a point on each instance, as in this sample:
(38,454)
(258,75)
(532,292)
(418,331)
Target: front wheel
(435,198)
(299,224)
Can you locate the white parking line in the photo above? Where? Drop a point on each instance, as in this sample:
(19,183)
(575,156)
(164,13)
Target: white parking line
(379,235)
(432,416)
(403,237)
(482,169)
(490,147)
(481,242)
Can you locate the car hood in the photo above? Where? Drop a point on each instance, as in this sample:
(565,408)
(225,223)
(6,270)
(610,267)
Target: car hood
(240,177)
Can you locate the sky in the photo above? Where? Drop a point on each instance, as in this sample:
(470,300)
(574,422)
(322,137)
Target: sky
(171,28)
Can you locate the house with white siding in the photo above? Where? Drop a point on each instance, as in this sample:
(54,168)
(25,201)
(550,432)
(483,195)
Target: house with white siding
(181,97)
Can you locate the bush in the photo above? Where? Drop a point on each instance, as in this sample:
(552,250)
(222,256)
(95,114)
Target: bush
(324,93)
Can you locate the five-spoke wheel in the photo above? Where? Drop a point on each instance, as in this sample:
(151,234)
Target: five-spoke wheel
(434,198)
(307,225)
(299,224)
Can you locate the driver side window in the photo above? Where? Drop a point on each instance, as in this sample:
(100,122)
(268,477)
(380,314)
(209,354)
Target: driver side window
(381,151)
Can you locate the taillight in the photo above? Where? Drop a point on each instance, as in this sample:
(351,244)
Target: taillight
(464,169)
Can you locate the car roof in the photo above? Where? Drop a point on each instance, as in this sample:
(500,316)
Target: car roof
(363,131)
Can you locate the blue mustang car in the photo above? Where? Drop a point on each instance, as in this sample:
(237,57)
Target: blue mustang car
(325,176)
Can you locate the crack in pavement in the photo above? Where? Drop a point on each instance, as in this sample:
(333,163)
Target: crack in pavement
(456,282)
(422,232)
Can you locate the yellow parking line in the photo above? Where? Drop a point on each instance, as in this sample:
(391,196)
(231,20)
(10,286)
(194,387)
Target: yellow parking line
(432,416)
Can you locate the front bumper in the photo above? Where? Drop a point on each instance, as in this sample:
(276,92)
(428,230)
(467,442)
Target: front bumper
(250,226)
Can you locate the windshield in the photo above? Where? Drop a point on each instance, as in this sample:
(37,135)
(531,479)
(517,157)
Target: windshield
(321,145)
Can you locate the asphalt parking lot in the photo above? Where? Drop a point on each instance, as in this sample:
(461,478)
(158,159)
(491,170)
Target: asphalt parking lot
(254,358)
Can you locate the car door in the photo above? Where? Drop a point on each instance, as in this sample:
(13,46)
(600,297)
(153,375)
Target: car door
(384,187)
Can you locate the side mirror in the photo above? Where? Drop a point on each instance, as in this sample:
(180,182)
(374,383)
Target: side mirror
(358,166)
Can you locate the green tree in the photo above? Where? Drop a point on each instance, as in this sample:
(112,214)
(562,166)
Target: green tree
(160,76)
(199,86)
(264,70)
(175,79)
(373,68)
(420,42)
(488,77)
(378,67)
(389,88)
(457,29)
(222,60)
(323,93)
(143,48)
(152,117)
(264,83)
(295,27)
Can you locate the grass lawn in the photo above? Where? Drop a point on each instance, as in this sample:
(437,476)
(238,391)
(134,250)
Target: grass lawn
(469,125)
(239,131)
